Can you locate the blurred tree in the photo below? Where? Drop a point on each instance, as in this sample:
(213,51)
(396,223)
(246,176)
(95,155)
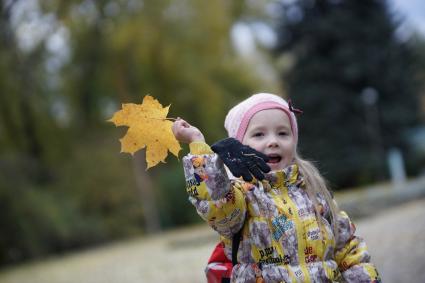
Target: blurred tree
(417,134)
(176,51)
(419,48)
(26,127)
(29,144)
(355,80)
(94,56)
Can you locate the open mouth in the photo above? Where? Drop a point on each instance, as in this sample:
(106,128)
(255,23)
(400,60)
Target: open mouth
(274,158)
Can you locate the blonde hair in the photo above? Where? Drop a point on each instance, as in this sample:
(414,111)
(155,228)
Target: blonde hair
(315,184)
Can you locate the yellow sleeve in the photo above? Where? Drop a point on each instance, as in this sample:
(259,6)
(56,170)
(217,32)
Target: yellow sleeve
(216,199)
(352,255)
(200,148)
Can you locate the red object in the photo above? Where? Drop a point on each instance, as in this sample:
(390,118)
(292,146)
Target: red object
(219,266)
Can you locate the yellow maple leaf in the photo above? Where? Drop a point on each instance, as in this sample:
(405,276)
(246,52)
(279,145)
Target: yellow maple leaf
(148,128)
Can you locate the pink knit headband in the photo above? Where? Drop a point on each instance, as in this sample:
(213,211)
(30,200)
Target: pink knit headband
(258,107)
(237,120)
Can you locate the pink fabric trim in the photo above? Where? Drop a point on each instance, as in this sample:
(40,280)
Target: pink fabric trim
(263,106)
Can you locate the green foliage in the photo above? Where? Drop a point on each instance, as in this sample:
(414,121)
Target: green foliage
(102,185)
(66,185)
(80,207)
(172,199)
(341,50)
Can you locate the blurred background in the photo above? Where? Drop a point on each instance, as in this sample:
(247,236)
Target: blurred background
(356,68)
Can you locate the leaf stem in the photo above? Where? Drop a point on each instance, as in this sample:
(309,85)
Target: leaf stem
(162,119)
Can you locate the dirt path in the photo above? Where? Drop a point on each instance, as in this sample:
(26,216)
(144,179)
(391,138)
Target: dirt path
(396,239)
(178,256)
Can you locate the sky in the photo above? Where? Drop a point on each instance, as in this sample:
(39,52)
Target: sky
(414,13)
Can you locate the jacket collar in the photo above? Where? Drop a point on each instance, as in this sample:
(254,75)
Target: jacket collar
(285,177)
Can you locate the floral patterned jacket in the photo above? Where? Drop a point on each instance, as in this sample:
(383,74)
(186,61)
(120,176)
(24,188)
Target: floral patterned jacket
(281,238)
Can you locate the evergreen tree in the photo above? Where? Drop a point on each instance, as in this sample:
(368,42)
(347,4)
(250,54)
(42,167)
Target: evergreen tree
(354,80)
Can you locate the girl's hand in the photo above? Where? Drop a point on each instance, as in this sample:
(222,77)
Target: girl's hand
(186,133)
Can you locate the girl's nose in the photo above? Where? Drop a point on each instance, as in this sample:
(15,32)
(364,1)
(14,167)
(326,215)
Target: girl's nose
(272,142)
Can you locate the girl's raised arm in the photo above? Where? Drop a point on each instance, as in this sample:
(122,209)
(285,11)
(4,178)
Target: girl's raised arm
(217,201)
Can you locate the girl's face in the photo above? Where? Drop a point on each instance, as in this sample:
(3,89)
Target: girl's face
(269,132)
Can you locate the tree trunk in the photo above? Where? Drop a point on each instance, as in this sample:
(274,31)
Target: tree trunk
(147,194)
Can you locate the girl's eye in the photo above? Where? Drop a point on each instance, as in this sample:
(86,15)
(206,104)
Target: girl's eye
(283,134)
(257,134)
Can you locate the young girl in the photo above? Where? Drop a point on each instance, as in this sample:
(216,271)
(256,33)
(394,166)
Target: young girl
(272,203)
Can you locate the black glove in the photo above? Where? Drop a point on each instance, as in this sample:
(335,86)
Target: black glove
(241,160)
